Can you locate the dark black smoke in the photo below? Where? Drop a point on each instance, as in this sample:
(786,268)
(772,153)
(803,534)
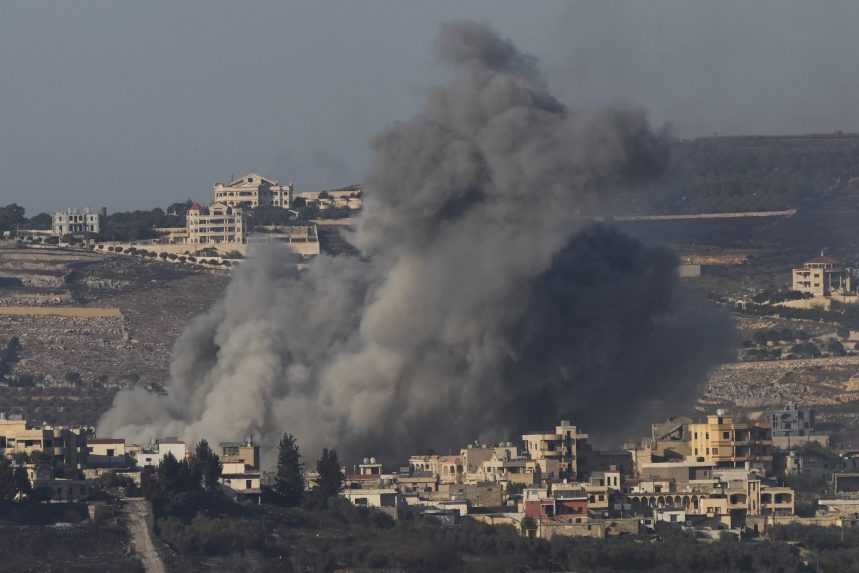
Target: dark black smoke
(483,304)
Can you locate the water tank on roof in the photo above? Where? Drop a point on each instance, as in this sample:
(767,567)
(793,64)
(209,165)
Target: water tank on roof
(372,460)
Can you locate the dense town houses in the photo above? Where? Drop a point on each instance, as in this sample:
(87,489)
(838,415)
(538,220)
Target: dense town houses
(720,473)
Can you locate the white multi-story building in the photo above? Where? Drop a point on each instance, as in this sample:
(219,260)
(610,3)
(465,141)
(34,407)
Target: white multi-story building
(217,224)
(78,221)
(251,191)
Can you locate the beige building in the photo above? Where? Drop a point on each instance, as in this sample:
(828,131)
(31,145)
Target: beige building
(252,191)
(245,452)
(822,276)
(725,442)
(344,197)
(66,447)
(108,447)
(241,479)
(556,452)
(388,500)
(219,226)
(726,495)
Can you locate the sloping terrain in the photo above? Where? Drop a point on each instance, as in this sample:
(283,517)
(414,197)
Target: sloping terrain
(113,327)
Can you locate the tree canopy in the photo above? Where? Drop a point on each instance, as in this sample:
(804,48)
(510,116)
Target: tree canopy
(289,482)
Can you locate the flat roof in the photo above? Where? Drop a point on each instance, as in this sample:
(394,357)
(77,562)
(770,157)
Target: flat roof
(106,441)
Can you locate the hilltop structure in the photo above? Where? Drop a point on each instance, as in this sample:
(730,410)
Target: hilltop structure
(823,276)
(252,191)
(78,222)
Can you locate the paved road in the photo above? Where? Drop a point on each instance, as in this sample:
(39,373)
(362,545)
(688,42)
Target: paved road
(138,516)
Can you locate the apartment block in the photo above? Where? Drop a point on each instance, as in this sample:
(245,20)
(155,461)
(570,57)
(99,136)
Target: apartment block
(557,451)
(65,447)
(251,191)
(725,442)
(218,225)
(78,221)
(822,276)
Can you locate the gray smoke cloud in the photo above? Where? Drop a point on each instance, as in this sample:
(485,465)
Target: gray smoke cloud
(484,304)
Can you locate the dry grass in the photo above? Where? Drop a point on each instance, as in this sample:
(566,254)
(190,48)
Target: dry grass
(67,311)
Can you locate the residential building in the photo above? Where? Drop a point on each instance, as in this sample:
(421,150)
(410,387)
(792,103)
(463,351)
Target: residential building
(78,221)
(240,470)
(556,452)
(107,447)
(218,225)
(387,500)
(793,426)
(728,443)
(246,452)
(424,463)
(252,191)
(730,495)
(65,447)
(173,446)
(822,276)
(344,197)
(244,481)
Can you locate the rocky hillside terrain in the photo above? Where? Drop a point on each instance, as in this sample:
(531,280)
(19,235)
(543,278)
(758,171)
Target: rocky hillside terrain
(103,324)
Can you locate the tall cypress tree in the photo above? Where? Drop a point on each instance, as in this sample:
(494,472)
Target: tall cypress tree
(330,475)
(207,465)
(289,482)
(7,480)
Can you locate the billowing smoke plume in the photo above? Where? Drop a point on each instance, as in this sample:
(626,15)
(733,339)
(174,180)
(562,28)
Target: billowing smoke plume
(483,304)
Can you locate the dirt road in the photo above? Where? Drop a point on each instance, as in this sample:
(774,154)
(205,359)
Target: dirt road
(138,514)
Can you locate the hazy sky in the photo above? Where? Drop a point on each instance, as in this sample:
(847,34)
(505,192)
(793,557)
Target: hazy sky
(138,104)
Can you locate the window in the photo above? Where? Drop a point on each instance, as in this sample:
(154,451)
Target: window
(248,484)
(110,453)
(707,436)
(726,435)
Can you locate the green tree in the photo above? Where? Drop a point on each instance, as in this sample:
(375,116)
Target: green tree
(206,464)
(330,475)
(11,216)
(289,482)
(22,481)
(7,480)
(41,221)
(169,474)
